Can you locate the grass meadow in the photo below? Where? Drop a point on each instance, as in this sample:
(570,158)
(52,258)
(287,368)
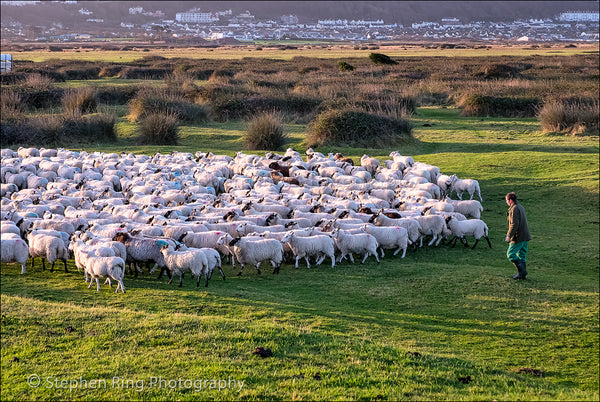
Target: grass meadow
(440,324)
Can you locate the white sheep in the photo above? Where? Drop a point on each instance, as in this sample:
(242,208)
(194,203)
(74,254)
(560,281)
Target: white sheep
(389,237)
(461,185)
(254,251)
(14,249)
(320,246)
(213,258)
(434,226)
(190,260)
(469,208)
(110,267)
(470,227)
(47,248)
(362,243)
(370,164)
(411,225)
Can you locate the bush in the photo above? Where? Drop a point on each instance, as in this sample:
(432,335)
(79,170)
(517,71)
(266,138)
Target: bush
(354,128)
(144,73)
(158,129)
(379,58)
(79,101)
(562,116)
(38,82)
(343,66)
(91,128)
(11,104)
(483,105)
(265,132)
(116,94)
(109,71)
(163,100)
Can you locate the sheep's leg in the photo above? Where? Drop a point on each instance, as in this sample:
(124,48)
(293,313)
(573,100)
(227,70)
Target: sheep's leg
(351,257)
(433,239)
(51,266)
(440,237)
(453,241)
(91,282)
(97,285)
(332,260)
(297,258)
(108,281)
(464,241)
(23,268)
(198,281)
(307,263)
(32,260)
(180,280)
(487,238)
(383,253)
(222,273)
(64,260)
(476,241)
(403,253)
(241,269)
(257,268)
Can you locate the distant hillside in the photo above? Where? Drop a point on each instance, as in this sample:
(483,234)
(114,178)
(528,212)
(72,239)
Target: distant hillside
(404,12)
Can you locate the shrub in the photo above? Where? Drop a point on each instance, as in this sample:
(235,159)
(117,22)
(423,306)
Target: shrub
(562,116)
(80,72)
(11,104)
(379,58)
(473,104)
(109,71)
(38,81)
(499,70)
(79,101)
(163,100)
(146,73)
(265,132)
(354,128)
(158,129)
(343,66)
(116,94)
(98,127)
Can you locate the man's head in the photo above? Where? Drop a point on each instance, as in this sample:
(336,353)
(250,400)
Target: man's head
(511,198)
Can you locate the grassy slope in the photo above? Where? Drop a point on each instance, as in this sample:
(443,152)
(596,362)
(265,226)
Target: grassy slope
(344,333)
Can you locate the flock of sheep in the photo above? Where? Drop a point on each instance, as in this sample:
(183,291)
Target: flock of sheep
(184,213)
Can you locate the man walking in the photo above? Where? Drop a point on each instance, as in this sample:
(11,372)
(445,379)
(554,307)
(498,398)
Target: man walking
(517,235)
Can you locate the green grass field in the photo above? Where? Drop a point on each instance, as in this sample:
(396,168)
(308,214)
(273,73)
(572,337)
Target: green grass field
(441,324)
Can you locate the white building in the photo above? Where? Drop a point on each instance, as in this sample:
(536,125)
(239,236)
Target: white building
(136,10)
(196,18)
(579,16)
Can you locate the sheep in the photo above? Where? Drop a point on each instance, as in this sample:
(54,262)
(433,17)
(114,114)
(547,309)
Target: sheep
(469,208)
(14,249)
(213,258)
(370,164)
(111,267)
(204,240)
(190,260)
(304,247)
(433,225)
(254,251)
(471,227)
(140,249)
(460,186)
(355,243)
(389,237)
(411,225)
(47,247)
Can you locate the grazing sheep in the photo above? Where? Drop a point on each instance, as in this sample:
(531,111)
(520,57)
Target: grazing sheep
(141,249)
(14,249)
(320,246)
(362,243)
(389,237)
(460,186)
(213,258)
(110,267)
(254,251)
(190,260)
(471,227)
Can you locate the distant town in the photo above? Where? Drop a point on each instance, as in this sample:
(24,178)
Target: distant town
(223,26)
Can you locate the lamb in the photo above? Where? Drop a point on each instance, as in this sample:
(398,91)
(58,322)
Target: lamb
(460,186)
(47,248)
(254,251)
(389,237)
(304,247)
(14,249)
(190,260)
(362,243)
(471,227)
(111,267)
(204,240)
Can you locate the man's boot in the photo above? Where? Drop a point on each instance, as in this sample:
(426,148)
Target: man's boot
(523,271)
(520,268)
